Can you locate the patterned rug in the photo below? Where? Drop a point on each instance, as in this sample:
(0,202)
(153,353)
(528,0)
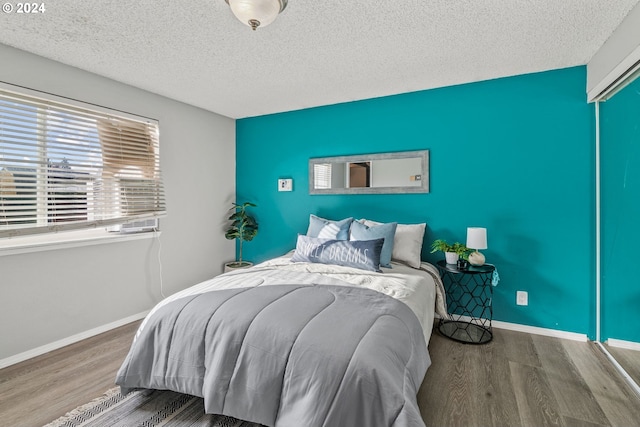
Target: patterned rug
(147,408)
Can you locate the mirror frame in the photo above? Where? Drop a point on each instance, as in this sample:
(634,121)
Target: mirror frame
(423,188)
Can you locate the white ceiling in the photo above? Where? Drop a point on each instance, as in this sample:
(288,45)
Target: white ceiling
(317,52)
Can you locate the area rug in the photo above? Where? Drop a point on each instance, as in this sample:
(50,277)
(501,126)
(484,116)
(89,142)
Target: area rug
(148,408)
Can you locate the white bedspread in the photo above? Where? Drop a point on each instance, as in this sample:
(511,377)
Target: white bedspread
(421,290)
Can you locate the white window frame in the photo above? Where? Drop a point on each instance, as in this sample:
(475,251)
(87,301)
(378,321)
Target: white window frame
(72,238)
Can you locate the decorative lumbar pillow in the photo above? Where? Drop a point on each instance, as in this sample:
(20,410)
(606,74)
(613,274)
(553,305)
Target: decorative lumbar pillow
(327,229)
(387,231)
(407,243)
(362,254)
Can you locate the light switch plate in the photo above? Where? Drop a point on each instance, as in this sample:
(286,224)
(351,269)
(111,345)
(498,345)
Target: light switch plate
(285,185)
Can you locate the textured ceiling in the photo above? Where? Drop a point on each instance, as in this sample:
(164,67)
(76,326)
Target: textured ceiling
(317,52)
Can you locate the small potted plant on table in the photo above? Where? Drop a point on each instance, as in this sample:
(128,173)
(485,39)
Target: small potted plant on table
(453,252)
(244,227)
(463,255)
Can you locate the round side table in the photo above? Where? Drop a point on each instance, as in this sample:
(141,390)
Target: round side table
(469,297)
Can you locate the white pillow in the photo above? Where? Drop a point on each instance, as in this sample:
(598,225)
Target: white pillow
(407,243)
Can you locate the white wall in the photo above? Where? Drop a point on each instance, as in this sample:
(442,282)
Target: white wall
(396,172)
(618,54)
(51,295)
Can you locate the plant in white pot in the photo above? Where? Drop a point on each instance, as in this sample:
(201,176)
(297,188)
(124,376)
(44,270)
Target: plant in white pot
(244,228)
(452,251)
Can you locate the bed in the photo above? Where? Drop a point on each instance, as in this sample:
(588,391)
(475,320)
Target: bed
(295,343)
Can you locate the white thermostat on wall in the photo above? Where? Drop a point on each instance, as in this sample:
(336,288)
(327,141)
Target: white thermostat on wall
(285,184)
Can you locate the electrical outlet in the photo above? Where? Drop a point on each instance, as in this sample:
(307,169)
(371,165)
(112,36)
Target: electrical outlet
(522,298)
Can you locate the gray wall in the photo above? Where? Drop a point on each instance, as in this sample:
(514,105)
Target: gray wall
(52,295)
(395,172)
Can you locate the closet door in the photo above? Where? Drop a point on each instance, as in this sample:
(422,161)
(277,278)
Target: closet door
(620,226)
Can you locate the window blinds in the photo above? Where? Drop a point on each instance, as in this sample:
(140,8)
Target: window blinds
(322,175)
(66,165)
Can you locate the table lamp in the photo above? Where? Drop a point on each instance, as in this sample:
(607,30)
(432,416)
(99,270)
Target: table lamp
(476,239)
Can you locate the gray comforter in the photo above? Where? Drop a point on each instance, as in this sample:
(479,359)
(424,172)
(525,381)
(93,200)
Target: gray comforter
(286,355)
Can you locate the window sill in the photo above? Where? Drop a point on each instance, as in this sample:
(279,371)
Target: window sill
(73,239)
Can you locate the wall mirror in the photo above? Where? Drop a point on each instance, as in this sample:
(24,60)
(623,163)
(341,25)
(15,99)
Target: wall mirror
(383,173)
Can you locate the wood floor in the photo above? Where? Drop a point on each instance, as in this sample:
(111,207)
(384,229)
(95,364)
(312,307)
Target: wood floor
(629,360)
(39,390)
(520,379)
(516,380)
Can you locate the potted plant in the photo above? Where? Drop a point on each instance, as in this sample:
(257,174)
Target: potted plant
(463,255)
(441,245)
(244,228)
(452,251)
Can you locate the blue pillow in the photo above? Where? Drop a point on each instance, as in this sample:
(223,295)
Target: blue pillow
(362,254)
(327,229)
(387,231)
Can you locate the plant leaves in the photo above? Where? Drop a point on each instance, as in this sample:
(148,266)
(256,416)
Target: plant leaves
(243,226)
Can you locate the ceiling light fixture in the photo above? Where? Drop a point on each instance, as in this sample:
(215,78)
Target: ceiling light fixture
(256,13)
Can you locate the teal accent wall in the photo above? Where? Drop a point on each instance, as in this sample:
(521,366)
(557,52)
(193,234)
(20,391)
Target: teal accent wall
(514,155)
(620,208)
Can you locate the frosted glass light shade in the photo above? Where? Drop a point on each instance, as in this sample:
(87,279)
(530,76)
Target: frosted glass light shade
(257,13)
(476,238)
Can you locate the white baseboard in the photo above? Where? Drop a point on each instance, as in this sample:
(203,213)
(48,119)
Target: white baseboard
(629,345)
(540,331)
(21,357)
(532,330)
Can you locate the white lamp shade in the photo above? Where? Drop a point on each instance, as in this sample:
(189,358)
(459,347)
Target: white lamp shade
(476,238)
(263,11)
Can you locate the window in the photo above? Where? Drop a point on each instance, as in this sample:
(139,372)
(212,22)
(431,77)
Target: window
(322,175)
(67,165)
